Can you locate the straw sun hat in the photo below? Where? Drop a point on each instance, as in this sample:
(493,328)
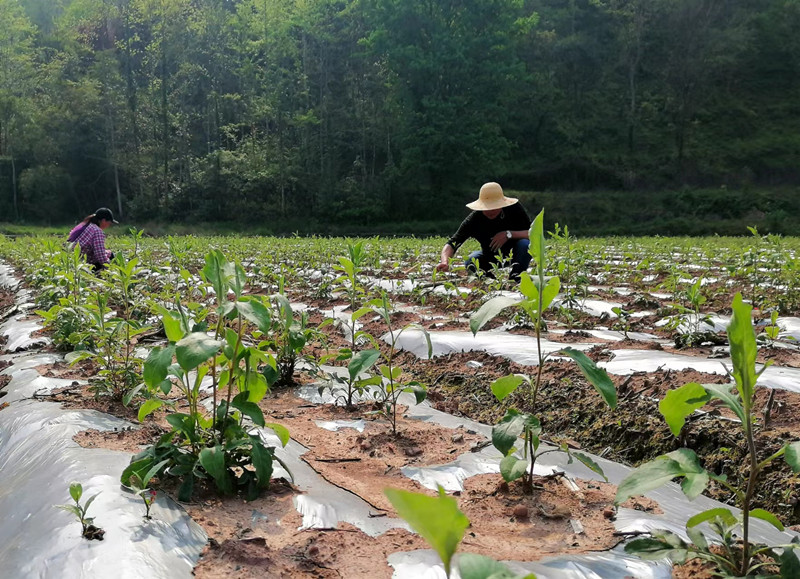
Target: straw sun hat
(491,197)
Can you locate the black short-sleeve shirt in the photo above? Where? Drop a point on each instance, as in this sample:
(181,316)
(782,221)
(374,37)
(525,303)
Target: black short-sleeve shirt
(479,227)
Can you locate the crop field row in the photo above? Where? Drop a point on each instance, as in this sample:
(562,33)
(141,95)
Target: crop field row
(335,407)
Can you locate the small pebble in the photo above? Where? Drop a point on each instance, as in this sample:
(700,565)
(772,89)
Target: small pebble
(521,512)
(416,451)
(458,438)
(608,512)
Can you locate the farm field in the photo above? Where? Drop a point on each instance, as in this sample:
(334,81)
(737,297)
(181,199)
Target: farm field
(275,387)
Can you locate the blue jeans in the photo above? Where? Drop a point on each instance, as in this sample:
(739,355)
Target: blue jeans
(520,258)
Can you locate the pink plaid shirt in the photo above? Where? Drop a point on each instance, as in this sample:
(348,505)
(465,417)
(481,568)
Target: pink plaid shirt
(93,245)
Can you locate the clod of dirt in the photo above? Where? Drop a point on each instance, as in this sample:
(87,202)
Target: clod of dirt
(458,438)
(609,512)
(520,512)
(94,533)
(414,451)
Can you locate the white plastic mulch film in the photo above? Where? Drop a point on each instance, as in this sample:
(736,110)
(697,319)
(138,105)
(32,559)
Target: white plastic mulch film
(39,460)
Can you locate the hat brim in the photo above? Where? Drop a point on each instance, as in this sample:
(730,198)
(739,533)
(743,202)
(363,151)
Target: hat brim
(481,205)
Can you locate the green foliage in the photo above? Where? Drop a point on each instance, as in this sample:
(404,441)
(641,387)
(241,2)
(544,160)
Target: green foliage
(167,110)
(218,448)
(89,531)
(539,292)
(440,522)
(738,560)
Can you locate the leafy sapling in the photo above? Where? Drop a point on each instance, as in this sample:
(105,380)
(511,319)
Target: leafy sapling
(539,292)
(392,386)
(89,531)
(739,557)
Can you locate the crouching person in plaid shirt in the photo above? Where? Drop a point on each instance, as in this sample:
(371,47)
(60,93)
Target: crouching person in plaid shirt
(89,235)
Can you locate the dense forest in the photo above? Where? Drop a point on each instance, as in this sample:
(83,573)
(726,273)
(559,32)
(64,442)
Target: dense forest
(295,112)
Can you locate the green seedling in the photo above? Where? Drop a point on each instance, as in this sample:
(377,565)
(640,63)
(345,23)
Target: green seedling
(624,320)
(89,530)
(739,556)
(139,483)
(392,385)
(439,521)
(539,292)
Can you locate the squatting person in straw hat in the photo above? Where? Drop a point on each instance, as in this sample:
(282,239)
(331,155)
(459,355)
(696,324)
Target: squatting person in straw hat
(500,224)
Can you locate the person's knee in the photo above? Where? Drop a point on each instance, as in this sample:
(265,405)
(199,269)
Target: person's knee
(522,246)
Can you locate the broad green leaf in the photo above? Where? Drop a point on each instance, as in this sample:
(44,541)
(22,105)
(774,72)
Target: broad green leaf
(247,408)
(77,356)
(262,462)
(510,427)
(723,392)
(597,377)
(792,456)
(790,565)
(135,467)
(742,338)
(724,514)
(195,349)
(768,517)
(257,387)
(536,235)
(157,365)
(361,362)
(590,464)
(213,271)
(680,403)
(489,310)
(152,472)
(435,519)
(76,491)
(504,386)
(253,310)
(88,503)
(172,323)
(360,313)
(647,477)
(236,277)
(471,566)
(71,509)
(695,476)
(418,390)
(212,459)
(652,549)
(512,467)
(281,431)
(529,289)
(697,537)
(550,291)
(148,408)
(131,394)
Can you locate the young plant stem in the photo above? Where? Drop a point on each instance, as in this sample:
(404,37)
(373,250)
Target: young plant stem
(751,485)
(233,362)
(214,384)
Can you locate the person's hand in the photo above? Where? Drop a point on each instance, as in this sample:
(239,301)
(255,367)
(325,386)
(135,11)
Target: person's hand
(498,241)
(442,266)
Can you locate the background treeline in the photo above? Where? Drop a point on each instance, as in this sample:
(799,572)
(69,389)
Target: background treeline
(317,114)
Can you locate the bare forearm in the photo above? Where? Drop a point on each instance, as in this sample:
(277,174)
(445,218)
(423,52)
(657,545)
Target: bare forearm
(447,253)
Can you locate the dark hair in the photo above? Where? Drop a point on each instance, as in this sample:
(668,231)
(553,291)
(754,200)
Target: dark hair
(100,215)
